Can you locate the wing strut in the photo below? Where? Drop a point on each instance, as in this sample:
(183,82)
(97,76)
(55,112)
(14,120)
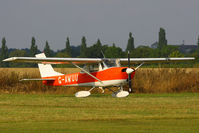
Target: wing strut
(87,72)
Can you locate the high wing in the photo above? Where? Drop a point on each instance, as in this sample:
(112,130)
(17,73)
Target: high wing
(154,60)
(51,60)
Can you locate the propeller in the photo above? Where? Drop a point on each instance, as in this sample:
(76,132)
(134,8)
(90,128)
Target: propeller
(129,71)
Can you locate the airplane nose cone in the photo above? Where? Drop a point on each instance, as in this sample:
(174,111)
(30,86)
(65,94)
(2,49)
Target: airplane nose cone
(129,70)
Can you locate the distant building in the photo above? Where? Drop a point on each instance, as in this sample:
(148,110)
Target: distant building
(185,49)
(154,45)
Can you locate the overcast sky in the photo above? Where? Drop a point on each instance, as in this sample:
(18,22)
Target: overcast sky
(109,20)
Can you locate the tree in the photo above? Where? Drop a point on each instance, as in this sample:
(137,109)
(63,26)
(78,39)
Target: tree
(18,53)
(198,42)
(176,54)
(47,50)
(113,52)
(68,48)
(162,39)
(62,54)
(83,47)
(130,44)
(99,42)
(95,50)
(144,52)
(4,52)
(33,48)
(113,44)
(167,50)
(75,50)
(98,48)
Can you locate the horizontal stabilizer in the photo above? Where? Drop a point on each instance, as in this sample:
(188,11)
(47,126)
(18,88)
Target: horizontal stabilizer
(37,79)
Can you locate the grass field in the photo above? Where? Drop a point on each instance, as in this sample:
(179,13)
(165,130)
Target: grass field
(140,113)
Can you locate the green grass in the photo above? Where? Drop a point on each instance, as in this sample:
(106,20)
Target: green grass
(140,113)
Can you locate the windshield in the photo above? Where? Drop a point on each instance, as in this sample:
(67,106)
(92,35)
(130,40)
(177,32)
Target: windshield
(110,63)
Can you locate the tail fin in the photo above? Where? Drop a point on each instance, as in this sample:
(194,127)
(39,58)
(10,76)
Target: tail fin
(46,70)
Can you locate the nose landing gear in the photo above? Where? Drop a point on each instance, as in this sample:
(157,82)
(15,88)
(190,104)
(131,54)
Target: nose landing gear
(120,93)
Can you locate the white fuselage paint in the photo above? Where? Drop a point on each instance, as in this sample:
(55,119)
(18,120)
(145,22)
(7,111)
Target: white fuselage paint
(103,84)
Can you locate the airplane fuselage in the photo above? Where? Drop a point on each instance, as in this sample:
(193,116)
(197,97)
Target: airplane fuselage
(110,77)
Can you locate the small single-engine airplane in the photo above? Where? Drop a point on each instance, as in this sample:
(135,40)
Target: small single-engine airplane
(109,73)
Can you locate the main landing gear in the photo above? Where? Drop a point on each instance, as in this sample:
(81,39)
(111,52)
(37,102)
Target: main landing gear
(120,93)
(86,93)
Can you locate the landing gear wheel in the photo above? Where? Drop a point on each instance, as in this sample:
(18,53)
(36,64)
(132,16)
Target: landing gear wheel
(120,94)
(82,94)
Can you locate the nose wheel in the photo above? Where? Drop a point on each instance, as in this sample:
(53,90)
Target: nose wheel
(120,93)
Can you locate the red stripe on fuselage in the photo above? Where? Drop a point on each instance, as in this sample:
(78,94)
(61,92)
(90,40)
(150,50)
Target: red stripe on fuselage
(114,73)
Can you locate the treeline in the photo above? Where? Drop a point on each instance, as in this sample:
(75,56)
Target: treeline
(97,50)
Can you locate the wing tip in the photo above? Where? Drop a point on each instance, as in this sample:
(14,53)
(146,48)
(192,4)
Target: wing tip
(10,59)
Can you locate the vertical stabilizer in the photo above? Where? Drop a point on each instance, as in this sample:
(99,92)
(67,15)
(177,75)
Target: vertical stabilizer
(46,70)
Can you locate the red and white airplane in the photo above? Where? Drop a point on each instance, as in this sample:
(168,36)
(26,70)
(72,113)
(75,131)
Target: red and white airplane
(109,73)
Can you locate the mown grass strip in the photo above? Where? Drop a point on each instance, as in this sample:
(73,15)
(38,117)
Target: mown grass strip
(100,113)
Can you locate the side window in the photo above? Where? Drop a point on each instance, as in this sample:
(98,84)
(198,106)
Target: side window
(85,67)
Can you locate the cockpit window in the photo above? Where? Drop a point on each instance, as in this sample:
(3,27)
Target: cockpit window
(110,63)
(90,68)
